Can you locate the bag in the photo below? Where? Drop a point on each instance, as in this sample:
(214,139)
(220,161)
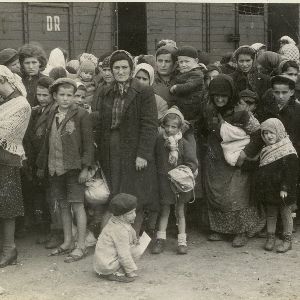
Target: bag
(97,191)
(182,179)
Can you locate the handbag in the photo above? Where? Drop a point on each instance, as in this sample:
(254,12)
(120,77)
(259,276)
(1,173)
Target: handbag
(97,190)
(182,180)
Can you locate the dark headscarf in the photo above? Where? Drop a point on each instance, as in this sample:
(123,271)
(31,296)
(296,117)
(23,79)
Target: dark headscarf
(223,85)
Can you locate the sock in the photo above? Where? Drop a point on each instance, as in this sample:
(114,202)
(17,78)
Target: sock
(161,235)
(182,239)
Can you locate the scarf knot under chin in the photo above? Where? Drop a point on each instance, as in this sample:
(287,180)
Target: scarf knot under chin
(276,151)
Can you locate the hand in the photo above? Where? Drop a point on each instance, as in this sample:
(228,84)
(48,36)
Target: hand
(172,89)
(40,173)
(241,159)
(283,194)
(140,163)
(131,275)
(83,176)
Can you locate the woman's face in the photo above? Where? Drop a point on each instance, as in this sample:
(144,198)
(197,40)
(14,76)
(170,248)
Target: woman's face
(292,73)
(143,77)
(220,100)
(245,62)
(121,70)
(106,74)
(31,66)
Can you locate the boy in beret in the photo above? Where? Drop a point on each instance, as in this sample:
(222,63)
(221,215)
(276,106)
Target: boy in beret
(116,247)
(66,155)
(10,58)
(187,90)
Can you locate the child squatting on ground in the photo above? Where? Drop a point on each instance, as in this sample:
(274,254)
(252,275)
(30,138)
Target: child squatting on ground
(172,150)
(67,154)
(117,246)
(277,180)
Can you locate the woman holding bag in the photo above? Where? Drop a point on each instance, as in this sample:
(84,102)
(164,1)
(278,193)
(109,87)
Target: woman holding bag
(14,118)
(127,133)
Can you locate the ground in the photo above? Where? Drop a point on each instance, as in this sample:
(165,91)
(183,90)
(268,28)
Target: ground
(211,270)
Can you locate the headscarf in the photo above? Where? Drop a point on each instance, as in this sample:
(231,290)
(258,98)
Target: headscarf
(245,49)
(90,57)
(290,52)
(286,39)
(147,68)
(223,85)
(258,46)
(121,55)
(269,60)
(56,59)
(281,148)
(14,116)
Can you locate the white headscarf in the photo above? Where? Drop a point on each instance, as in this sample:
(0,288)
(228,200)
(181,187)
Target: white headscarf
(56,59)
(145,67)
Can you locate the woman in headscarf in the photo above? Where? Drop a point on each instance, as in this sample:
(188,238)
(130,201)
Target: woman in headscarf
(227,188)
(247,76)
(56,60)
(290,52)
(14,118)
(144,73)
(127,134)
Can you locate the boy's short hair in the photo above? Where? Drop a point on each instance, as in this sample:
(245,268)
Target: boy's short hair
(63,82)
(167,49)
(289,64)
(45,82)
(172,117)
(282,79)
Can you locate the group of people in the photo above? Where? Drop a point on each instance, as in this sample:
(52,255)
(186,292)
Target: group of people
(165,130)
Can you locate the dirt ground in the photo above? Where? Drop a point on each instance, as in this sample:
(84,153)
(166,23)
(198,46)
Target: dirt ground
(211,270)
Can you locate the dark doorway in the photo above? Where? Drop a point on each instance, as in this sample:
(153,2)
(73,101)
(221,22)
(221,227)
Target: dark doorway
(132,27)
(283,19)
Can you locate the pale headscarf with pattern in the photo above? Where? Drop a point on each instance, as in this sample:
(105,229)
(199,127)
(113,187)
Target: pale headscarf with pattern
(281,148)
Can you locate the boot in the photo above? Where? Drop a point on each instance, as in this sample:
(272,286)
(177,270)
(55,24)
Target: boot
(9,257)
(158,246)
(270,242)
(286,244)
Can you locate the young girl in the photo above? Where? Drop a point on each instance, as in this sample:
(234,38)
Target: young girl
(277,179)
(172,149)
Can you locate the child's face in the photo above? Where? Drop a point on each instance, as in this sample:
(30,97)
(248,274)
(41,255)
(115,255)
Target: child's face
(245,62)
(31,66)
(270,137)
(80,97)
(130,216)
(143,77)
(64,97)
(14,66)
(107,74)
(220,100)
(282,93)
(171,127)
(186,63)
(86,76)
(43,96)
(247,105)
(292,73)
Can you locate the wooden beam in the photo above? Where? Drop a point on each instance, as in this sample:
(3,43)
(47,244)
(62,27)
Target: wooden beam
(94,27)
(25,23)
(71,31)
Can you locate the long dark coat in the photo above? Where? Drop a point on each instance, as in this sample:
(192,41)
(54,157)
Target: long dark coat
(138,132)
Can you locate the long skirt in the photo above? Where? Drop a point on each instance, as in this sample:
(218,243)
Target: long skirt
(11,200)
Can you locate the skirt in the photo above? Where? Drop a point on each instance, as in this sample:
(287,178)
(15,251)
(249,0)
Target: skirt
(11,200)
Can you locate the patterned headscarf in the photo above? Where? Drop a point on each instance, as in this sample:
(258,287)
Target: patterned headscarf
(290,52)
(288,40)
(13,79)
(147,68)
(281,148)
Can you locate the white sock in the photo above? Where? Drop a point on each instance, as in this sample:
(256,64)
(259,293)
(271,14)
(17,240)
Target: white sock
(182,239)
(161,235)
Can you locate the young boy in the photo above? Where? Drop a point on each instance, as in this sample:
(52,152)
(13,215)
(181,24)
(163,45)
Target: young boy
(67,154)
(32,142)
(116,247)
(172,150)
(187,90)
